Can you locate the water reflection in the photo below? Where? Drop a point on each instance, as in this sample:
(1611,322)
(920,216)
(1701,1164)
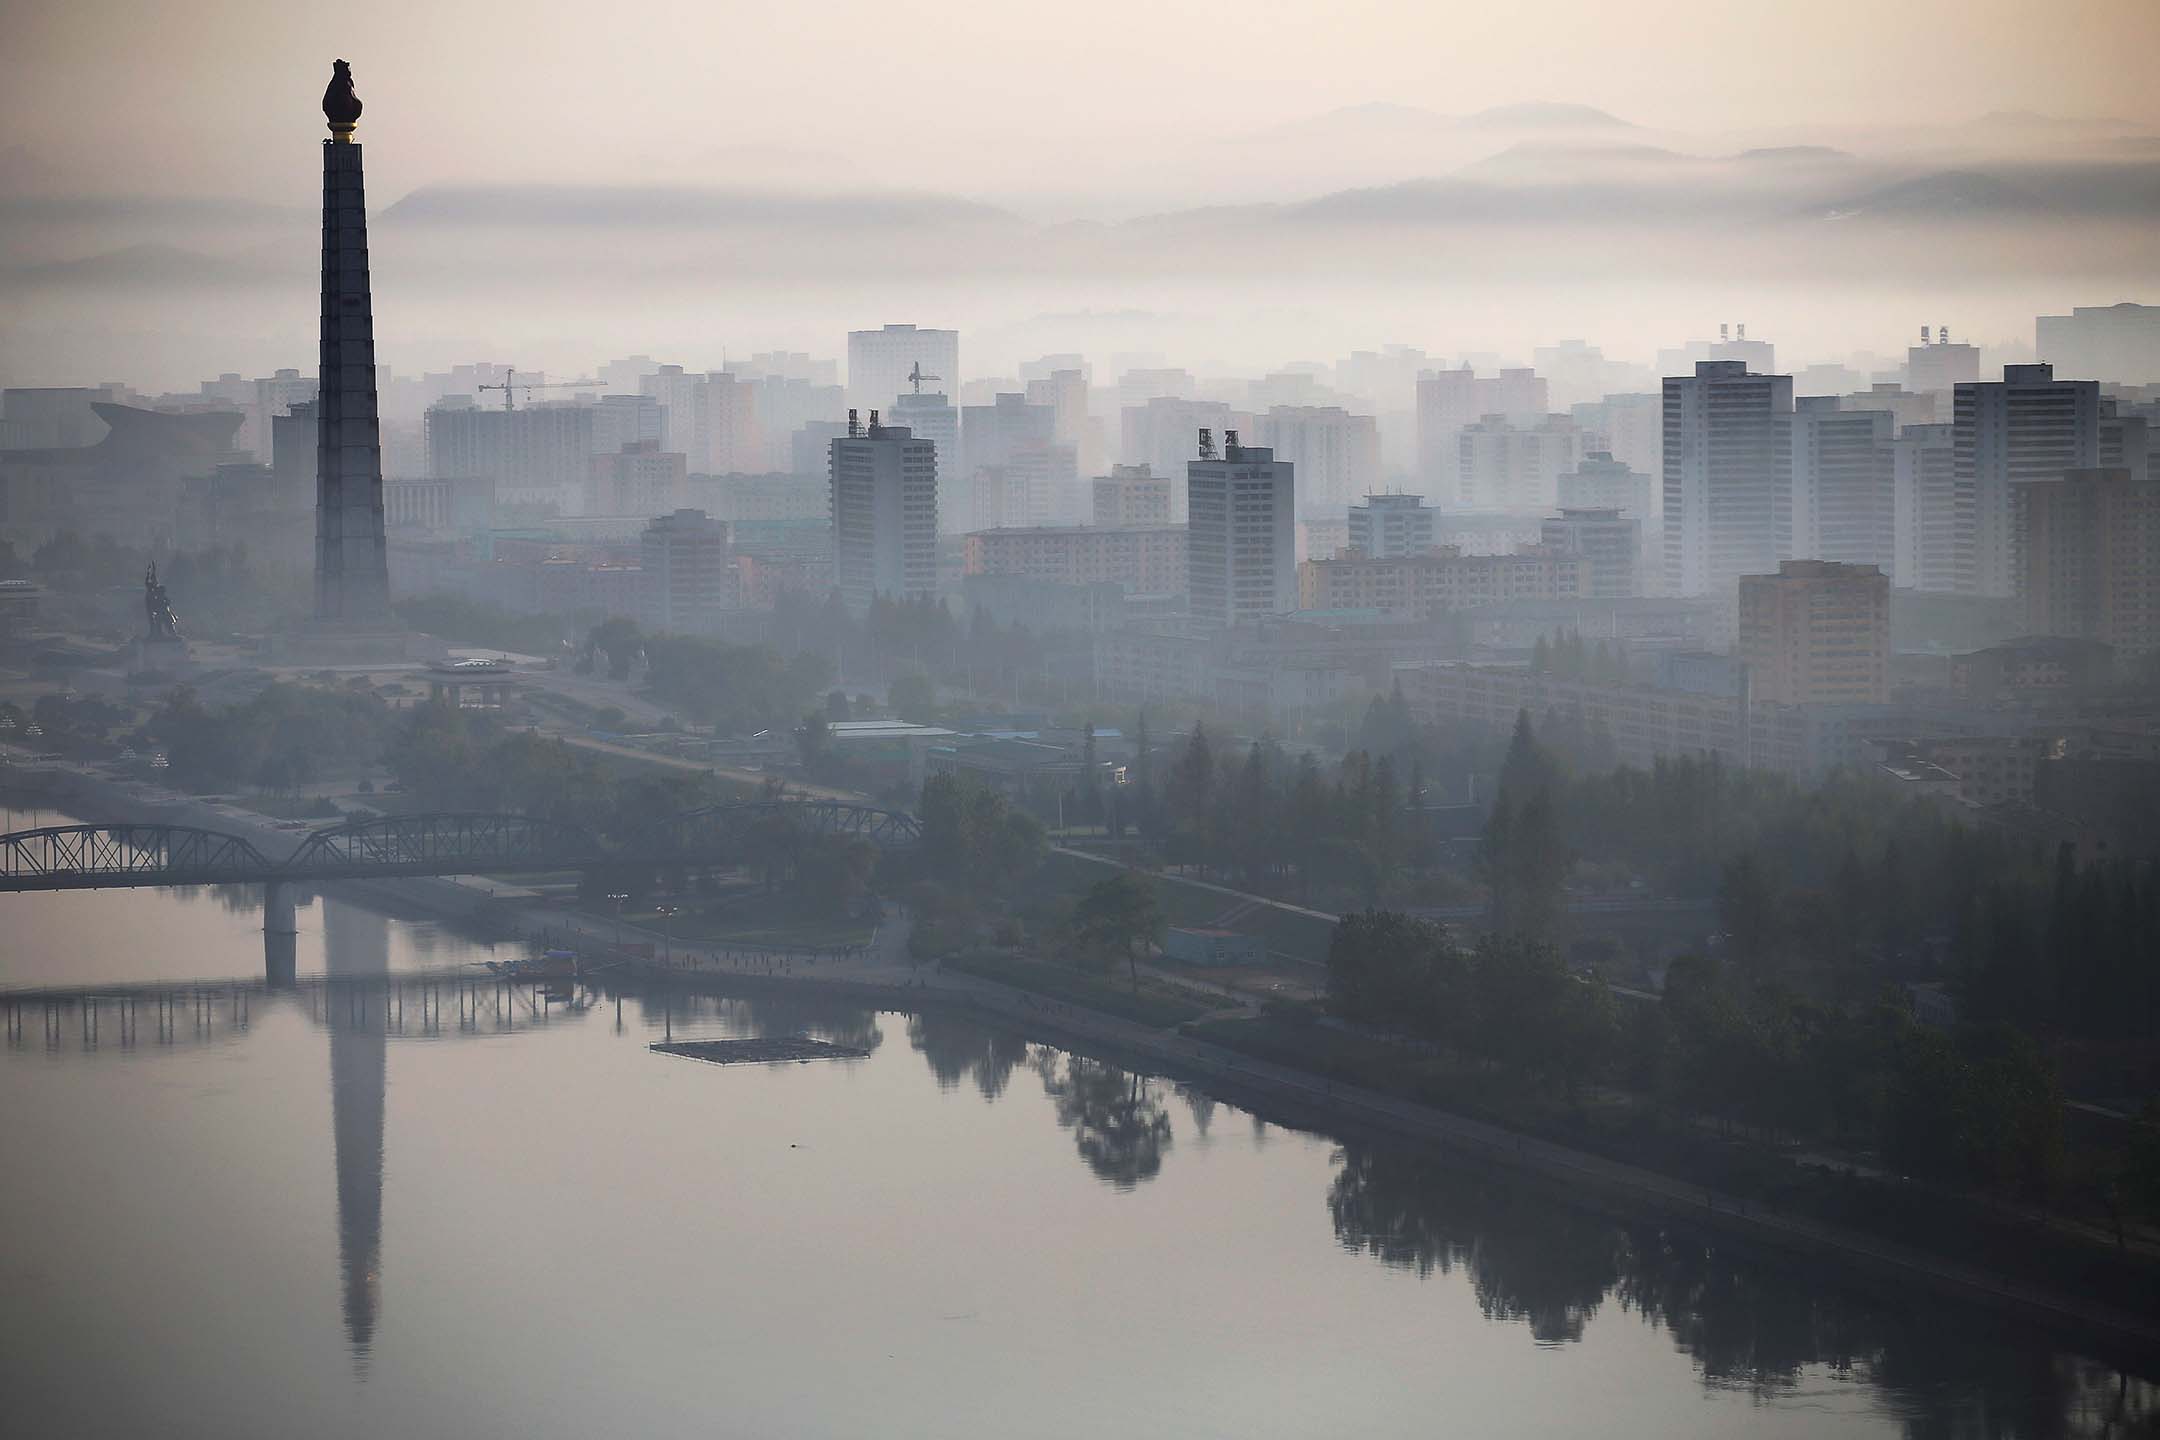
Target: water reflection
(958,1049)
(1117,1118)
(1756,1326)
(356,947)
(1523,1255)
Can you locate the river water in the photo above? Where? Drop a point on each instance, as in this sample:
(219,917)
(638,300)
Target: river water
(401,1218)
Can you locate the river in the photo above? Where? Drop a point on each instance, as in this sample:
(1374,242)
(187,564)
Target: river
(308,1219)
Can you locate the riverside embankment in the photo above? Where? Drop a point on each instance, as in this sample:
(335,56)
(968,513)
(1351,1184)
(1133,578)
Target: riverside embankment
(882,976)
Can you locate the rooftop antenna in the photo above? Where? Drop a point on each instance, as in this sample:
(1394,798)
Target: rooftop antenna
(873,424)
(1229,445)
(1207,444)
(915,377)
(1924,335)
(1740,331)
(854,426)
(1724,333)
(1942,334)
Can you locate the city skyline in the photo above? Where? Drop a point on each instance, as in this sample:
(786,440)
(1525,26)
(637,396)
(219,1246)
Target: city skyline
(1467,182)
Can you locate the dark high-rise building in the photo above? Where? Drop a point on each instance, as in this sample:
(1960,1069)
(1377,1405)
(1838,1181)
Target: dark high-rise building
(2026,426)
(2089,558)
(1844,483)
(352,577)
(884,513)
(1728,476)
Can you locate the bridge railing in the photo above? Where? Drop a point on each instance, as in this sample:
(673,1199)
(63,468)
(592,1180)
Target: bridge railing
(55,857)
(71,857)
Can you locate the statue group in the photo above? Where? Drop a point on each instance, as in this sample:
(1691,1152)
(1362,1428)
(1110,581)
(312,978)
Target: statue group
(161,625)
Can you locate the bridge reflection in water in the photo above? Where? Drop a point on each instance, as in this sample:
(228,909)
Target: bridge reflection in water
(359,1002)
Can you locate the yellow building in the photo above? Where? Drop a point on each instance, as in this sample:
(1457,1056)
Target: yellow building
(1817,633)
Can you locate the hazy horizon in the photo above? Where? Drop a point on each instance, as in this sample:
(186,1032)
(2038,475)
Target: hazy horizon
(697,183)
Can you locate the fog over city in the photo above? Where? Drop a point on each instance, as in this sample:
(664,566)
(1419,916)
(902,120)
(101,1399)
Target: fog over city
(1116,719)
(1116,176)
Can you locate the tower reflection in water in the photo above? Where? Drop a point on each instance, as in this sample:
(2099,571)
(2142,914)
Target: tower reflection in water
(356,947)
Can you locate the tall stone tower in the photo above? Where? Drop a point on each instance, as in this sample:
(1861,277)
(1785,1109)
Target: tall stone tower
(352,583)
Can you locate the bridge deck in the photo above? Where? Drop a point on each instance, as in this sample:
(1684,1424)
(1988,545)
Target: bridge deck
(90,857)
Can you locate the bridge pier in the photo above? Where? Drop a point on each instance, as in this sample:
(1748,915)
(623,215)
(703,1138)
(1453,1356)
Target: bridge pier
(281,935)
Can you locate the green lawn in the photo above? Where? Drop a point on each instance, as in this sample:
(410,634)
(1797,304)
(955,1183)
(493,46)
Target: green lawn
(1152,1006)
(1188,905)
(767,925)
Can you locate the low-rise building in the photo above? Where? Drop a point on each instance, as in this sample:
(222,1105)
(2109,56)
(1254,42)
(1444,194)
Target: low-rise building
(1044,606)
(1132,495)
(1191,945)
(1144,559)
(1423,586)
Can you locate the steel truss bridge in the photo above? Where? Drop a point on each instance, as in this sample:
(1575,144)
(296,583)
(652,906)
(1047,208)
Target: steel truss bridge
(90,857)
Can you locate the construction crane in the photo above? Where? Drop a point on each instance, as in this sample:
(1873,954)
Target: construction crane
(915,377)
(511,383)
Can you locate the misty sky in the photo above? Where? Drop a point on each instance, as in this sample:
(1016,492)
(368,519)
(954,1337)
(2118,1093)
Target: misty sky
(166,156)
(535,90)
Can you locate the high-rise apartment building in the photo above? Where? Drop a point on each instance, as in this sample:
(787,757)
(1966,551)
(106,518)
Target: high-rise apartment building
(2108,342)
(711,418)
(1065,392)
(1386,526)
(2127,442)
(1607,546)
(1601,482)
(1732,345)
(1728,476)
(687,579)
(884,514)
(1844,483)
(1019,440)
(1937,366)
(638,479)
(929,415)
(1935,546)
(1907,407)
(1241,550)
(1505,466)
(1159,434)
(1630,428)
(620,420)
(1337,454)
(538,456)
(879,362)
(2089,558)
(784,404)
(2027,426)
(1132,495)
(1451,400)
(1816,633)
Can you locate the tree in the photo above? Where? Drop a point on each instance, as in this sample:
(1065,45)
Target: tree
(618,639)
(1090,793)
(913,698)
(1748,906)
(813,742)
(974,842)
(1122,913)
(832,871)
(1525,864)
(1143,778)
